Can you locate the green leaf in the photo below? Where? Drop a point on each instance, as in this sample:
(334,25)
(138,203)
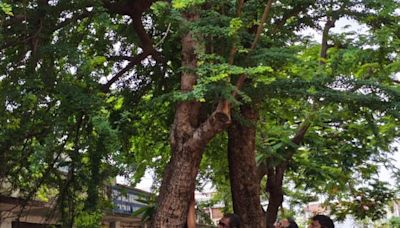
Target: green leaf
(98,60)
(6,8)
(119,103)
(234,25)
(182,4)
(158,7)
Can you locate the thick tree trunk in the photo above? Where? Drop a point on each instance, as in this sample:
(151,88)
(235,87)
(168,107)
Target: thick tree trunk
(245,186)
(177,187)
(180,175)
(188,140)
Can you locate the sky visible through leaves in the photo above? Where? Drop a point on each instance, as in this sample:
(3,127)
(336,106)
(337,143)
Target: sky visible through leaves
(343,25)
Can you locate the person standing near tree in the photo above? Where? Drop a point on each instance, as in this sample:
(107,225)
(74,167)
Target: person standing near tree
(229,221)
(286,223)
(321,221)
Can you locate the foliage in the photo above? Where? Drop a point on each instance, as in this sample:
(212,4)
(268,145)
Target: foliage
(6,8)
(63,131)
(394,222)
(89,220)
(350,101)
(78,108)
(146,212)
(367,202)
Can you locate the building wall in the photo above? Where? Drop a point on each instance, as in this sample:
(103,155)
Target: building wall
(125,201)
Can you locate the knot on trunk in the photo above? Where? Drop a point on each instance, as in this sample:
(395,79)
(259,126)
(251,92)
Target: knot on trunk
(223,118)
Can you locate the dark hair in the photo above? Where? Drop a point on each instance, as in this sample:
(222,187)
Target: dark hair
(234,220)
(324,220)
(292,223)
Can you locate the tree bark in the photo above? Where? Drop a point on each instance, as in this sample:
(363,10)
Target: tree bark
(191,219)
(275,190)
(276,175)
(188,140)
(324,43)
(177,187)
(245,186)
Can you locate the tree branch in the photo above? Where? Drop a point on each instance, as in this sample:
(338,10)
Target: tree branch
(121,58)
(324,43)
(133,61)
(260,27)
(221,117)
(129,8)
(33,38)
(262,169)
(301,132)
(135,9)
(297,139)
(396,81)
(117,7)
(293,12)
(75,18)
(215,124)
(145,40)
(233,50)
(187,112)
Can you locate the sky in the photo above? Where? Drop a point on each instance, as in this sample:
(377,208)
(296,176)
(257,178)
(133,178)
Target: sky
(146,182)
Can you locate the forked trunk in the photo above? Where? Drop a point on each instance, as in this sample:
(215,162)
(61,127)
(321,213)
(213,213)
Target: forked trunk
(189,137)
(245,186)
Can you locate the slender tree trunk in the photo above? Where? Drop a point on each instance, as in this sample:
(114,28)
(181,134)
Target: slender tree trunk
(324,43)
(245,186)
(274,188)
(276,176)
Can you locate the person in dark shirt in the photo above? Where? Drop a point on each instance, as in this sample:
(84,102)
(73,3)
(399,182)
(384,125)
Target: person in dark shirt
(229,221)
(286,223)
(321,221)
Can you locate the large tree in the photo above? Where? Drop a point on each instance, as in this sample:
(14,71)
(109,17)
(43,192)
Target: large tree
(72,74)
(81,79)
(318,95)
(318,81)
